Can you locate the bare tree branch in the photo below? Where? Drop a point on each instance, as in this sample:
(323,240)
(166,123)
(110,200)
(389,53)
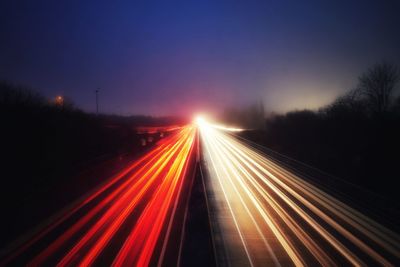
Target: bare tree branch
(378,84)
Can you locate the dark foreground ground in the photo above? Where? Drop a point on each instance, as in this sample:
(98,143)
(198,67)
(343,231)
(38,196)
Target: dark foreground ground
(27,210)
(198,243)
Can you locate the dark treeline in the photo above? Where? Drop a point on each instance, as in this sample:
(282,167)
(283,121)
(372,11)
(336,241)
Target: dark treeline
(357,137)
(250,117)
(44,142)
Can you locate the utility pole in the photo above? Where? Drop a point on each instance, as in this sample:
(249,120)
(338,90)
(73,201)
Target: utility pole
(97,101)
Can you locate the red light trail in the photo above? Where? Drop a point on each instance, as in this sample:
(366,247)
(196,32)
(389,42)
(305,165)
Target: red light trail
(260,213)
(147,191)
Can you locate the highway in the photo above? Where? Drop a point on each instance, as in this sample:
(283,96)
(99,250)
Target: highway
(256,211)
(262,214)
(128,220)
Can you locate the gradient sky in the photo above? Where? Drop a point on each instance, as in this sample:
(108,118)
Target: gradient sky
(179,57)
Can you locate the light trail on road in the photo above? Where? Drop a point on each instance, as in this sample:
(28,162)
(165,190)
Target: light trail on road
(141,202)
(262,214)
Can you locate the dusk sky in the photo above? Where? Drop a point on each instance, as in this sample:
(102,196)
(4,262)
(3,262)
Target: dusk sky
(180,57)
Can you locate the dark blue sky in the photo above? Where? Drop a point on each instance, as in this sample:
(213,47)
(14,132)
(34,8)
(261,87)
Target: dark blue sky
(178,57)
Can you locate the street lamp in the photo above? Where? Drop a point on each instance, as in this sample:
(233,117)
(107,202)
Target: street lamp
(59,101)
(97,100)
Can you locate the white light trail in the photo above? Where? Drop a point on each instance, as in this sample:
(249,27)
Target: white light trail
(267,215)
(202,122)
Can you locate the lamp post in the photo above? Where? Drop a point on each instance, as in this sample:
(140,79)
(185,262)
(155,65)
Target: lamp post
(97,101)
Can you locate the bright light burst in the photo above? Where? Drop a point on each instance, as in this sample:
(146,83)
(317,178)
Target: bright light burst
(203,123)
(266,215)
(199,120)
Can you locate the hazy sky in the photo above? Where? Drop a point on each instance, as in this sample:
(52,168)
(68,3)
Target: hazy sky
(178,57)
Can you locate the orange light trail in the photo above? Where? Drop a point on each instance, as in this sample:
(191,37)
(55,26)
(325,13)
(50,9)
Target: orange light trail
(154,182)
(138,247)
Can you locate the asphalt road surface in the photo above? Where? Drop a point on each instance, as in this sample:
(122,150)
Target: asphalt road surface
(135,218)
(202,197)
(262,214)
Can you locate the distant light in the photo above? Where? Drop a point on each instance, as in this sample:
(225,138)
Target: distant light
(229,129)
(59,100)
(203,123)
(199,120)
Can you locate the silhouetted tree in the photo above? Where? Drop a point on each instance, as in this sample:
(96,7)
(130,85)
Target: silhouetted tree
(351,104)
(13,95)
(378,84)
